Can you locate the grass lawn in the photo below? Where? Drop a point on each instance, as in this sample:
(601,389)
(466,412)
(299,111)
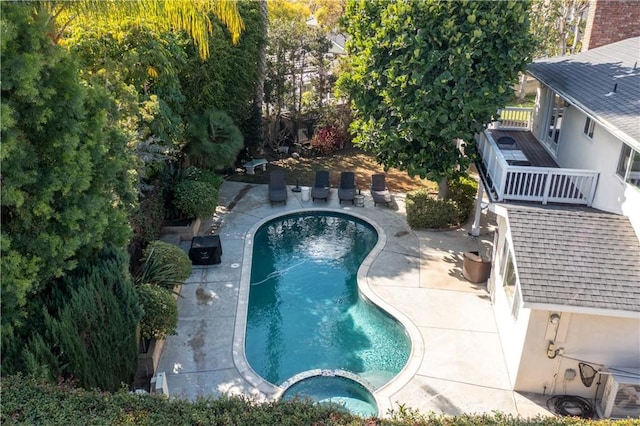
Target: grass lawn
(361,163)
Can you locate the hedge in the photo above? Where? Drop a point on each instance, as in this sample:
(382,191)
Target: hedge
(26,400)
(425,211)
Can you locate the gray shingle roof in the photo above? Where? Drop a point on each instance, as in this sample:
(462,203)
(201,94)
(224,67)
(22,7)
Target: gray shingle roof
(576,256)
(585,80)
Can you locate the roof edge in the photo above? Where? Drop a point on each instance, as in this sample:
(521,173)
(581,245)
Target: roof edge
(582,310)
(608,126)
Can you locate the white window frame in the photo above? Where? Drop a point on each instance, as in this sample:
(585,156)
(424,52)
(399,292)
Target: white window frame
(555,114)
(512,297)
(589,127)
(629,166)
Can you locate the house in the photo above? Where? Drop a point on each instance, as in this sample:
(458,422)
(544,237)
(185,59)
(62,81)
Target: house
(564,181)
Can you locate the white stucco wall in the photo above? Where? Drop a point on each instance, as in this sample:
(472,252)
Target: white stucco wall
(608,341)
(601,153)
(577,151)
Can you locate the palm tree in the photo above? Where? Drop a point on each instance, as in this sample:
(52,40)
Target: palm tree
(262,67)
(191,16)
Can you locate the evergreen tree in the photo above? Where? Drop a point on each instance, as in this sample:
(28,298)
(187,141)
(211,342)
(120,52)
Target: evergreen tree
(91,336)
(66,186)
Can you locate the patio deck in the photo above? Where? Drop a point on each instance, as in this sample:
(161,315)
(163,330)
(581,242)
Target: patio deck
(527,143)
(457,365)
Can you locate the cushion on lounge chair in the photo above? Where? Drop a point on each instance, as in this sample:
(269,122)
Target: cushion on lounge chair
(277,187)
(321,187)
(347,188)
(379,190)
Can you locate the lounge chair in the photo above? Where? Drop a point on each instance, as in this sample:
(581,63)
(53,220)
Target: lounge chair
(347,188)
(277,187)
(379,190)
(321,187)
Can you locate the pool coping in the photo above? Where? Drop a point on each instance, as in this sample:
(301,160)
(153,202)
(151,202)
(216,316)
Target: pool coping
(269,390)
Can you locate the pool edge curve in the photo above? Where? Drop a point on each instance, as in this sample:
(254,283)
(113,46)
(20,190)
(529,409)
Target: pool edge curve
(271,391)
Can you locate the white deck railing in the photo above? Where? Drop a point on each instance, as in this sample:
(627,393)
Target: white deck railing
(514,118)
(539,184)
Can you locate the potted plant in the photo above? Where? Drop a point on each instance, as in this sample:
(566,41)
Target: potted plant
(193,197)
(159,319)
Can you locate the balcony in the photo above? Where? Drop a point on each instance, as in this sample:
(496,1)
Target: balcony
(520,168)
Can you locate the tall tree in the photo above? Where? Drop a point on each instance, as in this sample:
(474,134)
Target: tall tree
(262,74)
(228,82)
(191,16)
(291,46)
(423,74)
(66,187)
(140,68)
(558,25)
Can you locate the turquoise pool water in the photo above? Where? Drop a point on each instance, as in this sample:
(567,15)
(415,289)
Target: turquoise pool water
(339,391)
(305,311)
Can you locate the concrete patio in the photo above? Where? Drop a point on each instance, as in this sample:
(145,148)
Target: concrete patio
(457,364)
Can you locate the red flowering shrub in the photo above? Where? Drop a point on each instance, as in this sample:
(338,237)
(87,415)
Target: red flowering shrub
(327,140)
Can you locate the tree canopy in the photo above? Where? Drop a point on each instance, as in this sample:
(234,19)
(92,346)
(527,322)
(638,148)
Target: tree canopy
(557,26)
(66,187)
(190,16)
(86,87)
(423,74)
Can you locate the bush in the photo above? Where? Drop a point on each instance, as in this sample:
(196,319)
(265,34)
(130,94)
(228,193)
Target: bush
(90,334)
(326,140)
(213,140)
(165,265)
(463,192)
(146,220)
(424,211)
(25,400)
(160,311)
(195,199)
(203,175)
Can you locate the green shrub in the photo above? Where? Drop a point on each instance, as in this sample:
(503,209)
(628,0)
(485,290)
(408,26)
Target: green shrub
(463,192)
(213,140)
(26,400)
(146,220)
(90,333)
(426,212)
(165,265)
(194,198)
(160,311)
(203,175)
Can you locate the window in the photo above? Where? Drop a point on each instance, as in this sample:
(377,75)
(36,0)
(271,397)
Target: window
(555,112)
(589,125)
(509,279)
(629,166)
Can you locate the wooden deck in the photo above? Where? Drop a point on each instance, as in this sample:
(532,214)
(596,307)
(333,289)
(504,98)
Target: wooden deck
(527,143)
(537,179)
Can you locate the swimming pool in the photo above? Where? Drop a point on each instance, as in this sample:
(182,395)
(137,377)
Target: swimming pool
(305,311)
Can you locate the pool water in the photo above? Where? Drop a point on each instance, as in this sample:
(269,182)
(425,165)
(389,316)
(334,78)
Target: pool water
(305,311)
(339,391)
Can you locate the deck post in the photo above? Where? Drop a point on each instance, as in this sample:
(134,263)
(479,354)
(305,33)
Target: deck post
(475,228)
